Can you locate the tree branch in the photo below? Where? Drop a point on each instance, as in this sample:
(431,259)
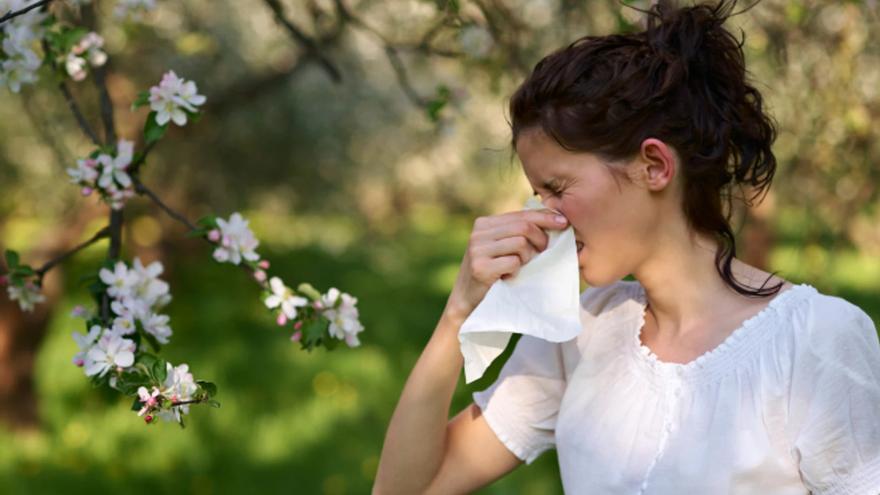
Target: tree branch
(310,46)
(140,188)
(105,232)
(68,97)
(13,14)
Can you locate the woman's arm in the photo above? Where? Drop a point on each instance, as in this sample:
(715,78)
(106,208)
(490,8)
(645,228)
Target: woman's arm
(424,451)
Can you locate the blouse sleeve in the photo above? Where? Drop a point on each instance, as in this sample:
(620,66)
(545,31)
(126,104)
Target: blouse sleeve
(835,403)
(522,404)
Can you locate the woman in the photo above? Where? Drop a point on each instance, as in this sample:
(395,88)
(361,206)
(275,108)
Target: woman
(687,380)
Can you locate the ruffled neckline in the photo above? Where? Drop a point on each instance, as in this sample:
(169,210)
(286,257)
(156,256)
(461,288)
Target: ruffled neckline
(721,354)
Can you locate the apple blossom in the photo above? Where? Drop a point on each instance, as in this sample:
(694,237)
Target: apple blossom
(90,45)
(173,97)
(179,386)
(148,398)
(284,297)
(19,36)
(111,351)
(27,295)
(236,240)
(149,287)
(120,281)
(85,342)
(157,325)
(343,318)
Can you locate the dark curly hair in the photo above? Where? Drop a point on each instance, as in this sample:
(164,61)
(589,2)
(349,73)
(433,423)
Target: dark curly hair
(682,80)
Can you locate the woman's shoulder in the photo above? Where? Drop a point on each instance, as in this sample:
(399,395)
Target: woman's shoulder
(831,326)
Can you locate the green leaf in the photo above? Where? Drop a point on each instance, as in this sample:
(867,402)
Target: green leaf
(143,99)
(197,233)
(208,387)
(128,383)
(152,130)
(24,270)
(11,259)
(213,403)
(160,370)
(208,221)
(137,404)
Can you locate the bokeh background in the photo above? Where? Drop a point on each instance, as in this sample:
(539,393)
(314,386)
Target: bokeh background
(362,154)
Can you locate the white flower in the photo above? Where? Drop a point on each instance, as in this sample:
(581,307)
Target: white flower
(236,241)
(120,281)
(85,342)
(75,66)
(173,97)
(90,45)
(157,325)
(344,322)
(178,387)
(149,399)
(110,351)
(114,167)
(27,296)
(283,296)
(148,286)
(85,171)
(20,36)
(133,9)
(128,310)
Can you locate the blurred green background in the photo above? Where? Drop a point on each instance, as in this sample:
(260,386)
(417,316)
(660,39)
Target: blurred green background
(370,185)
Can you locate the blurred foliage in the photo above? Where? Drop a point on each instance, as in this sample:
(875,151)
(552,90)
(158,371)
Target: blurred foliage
(355,185)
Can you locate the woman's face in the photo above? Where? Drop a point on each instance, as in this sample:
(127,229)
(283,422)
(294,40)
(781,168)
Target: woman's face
(614,223)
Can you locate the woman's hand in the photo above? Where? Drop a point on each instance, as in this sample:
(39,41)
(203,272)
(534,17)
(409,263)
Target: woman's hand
(499,245)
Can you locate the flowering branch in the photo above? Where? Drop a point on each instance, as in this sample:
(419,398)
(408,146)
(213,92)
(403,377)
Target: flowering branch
(12,14)
(127,330)
(68,97)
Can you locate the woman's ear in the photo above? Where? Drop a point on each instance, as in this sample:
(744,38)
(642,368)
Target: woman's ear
(659,164)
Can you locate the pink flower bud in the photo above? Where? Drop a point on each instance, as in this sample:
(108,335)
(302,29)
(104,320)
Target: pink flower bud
(296,336)
(298,325)
(79,311)
(260,275)
(264,264)
(214,235)
(282,319)
(79,362)
(148,418)
(86,191)
(317,305)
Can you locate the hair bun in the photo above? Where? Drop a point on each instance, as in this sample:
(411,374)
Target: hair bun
(689,34)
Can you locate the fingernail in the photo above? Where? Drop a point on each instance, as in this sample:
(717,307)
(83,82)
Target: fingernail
(561,219)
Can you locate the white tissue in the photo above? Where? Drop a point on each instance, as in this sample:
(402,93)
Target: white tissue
(542,300)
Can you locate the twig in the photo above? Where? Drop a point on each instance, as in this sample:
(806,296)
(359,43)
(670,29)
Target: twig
(105,232)
(71,101)
(140,188)
(106,105)
(13,14)
(300,37)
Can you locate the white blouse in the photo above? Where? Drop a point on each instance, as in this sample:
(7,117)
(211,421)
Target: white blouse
(788,403)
